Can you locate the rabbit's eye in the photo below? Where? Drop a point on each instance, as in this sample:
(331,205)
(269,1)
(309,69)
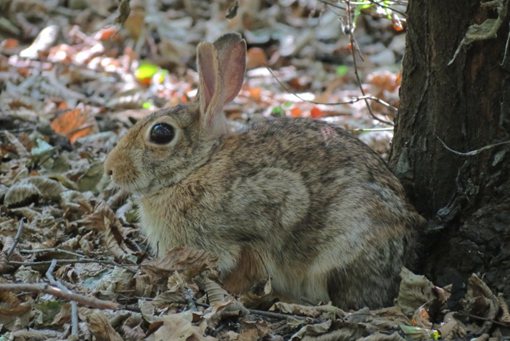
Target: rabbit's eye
(162,133)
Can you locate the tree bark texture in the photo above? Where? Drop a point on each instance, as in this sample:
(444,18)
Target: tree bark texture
(466,104)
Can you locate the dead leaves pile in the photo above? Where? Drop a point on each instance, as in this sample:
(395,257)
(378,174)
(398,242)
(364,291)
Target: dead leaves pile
(72,260)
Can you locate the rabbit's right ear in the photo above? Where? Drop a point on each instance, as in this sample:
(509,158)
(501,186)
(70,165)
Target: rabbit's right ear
(221,71)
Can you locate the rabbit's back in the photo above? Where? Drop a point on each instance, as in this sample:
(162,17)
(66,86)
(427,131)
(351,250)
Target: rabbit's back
(338,209)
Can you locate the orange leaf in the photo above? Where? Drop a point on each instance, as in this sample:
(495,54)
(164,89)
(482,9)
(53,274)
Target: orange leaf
(10,43)
(295,112)
(255,58)
(255,93)
(24,71)
(316,112)
(385,80)
(106,33)
(63,106)
(73,124)
(396,24)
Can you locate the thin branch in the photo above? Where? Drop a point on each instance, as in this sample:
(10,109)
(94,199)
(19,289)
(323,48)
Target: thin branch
(481,318)
(52,250)
(19,232)
(275,315)
(351,101)
(51,290)
(355,63)
(74,261)
(377,3)
(74,304)
(472,152)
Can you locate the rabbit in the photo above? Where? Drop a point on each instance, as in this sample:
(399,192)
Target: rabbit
(298,201)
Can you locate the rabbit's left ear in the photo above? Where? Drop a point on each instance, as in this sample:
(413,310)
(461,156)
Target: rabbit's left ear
(221,71)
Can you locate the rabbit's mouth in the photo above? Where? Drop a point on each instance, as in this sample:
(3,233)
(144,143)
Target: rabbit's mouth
(130,182)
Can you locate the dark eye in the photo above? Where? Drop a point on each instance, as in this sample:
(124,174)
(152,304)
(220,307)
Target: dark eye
(162,133)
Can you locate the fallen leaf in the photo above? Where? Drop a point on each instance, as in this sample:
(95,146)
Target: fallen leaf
(145,72)
(296,112)
(101,327)
(255,57)
(190,262)
(179,327)
(315,112)
(9,43)
(255,93)
(107,33)
(415,290)
(74,124)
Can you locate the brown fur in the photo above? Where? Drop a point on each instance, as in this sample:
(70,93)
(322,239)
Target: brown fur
(298,200)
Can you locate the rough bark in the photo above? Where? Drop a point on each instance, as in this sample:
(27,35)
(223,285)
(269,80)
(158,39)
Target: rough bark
(467,105)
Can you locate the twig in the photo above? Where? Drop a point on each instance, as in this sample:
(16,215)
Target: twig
(377,3)
(481,318)
(351,101)
(275,315)
(36,334)
(74,304)
(48,289)
(53,249)
(472,152)
(355,64)
(73,261)
(19,232)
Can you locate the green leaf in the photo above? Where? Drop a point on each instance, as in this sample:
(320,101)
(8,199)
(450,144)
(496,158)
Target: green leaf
(341,70)
(147,105)
(365,6)
(277,112)
(146,70)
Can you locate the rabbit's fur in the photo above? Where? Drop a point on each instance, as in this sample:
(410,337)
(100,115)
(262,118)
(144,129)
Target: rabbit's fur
(296,200)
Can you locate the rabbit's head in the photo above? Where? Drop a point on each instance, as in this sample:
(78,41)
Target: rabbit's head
(169,144)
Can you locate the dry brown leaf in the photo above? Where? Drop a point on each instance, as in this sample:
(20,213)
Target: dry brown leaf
(13,311)
(104,220)
(480,301)
(179,327)
(74,124)
(255,57)
(312,330)
(190,262)
(384,80)
(451,328)
(21,194)
(100,327)
(415,291)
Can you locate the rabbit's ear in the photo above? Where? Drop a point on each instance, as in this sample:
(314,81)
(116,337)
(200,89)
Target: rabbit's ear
(221,69)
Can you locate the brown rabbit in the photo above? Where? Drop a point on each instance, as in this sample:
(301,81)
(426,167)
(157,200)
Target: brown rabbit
(296,200)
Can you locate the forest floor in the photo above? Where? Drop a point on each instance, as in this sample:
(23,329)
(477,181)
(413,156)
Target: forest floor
(73,79)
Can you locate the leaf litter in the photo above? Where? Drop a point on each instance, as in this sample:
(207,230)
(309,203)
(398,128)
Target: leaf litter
(75,75)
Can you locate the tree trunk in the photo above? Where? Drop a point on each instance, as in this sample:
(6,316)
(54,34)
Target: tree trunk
(466,104)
